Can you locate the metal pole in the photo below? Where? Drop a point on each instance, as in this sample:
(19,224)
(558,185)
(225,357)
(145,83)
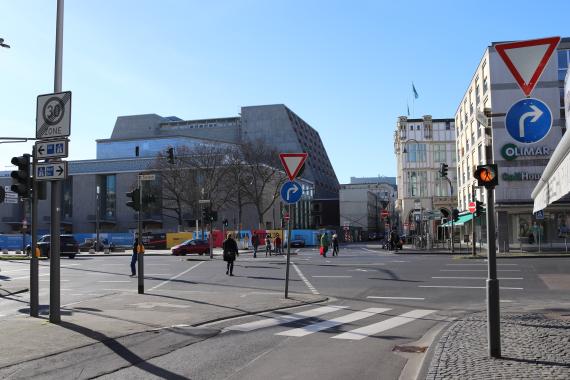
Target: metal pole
(452,235)
(140,255)
(97,221)
(34,283)
(54,294)
(288,254)
(493,311)
(473,234)
(211,237)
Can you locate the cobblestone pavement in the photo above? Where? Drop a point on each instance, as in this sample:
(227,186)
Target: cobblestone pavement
(533,346)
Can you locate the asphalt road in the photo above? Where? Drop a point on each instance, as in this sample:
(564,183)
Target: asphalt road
(377,301)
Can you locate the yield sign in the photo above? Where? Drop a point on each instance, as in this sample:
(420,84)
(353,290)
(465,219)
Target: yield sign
(292,163)
(526,60)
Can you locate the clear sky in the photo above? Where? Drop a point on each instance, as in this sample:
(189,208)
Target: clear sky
(345,67)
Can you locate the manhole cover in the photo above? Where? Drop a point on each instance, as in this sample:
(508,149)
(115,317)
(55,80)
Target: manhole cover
(416,349)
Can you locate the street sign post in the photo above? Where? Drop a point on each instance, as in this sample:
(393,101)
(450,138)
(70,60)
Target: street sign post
(52,149)
(472,207)
(528,120)
(52,171)
(526,60)
(291,192)
(53,115)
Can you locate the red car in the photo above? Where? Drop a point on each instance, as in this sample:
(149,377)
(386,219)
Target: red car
(192,246)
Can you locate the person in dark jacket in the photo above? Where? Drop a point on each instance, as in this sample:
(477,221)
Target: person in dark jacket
(134,256)
(255,243)
(230,252)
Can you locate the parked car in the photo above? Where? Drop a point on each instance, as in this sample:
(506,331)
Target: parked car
(191,246)
(297,243)
(68,246)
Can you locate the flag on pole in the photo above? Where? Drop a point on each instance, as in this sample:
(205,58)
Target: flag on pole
(414,90)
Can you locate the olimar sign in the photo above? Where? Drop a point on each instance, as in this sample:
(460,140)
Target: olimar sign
(511,151)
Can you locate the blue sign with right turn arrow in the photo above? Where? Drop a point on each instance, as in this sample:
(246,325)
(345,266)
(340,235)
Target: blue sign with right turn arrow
(291,192)
(528,120)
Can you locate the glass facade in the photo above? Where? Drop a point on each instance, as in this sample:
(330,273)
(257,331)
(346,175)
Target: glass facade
(144,148)
(416,152)
(108,196)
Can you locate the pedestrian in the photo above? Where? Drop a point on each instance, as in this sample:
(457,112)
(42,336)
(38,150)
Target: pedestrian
(134,256)
(335,244)
(268,245)
(230,252)
(277,244)
(325,244)
(394,240)
(255,243)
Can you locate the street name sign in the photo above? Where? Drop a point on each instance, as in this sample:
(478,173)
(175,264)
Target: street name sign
(147,177)
(526,60)
(53,115)
(472,207)
(528,120)
(51,149)
(291,192)
(52,171)
(292,163)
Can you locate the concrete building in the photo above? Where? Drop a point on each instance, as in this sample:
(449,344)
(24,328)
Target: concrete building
(421,146)
(520,165)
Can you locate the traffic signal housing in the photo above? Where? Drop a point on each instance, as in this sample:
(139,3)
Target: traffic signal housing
(21,180)
(443,168)
(487,175)
(226,223)
(135,199)
(455,215)
(170,156)
(478,208)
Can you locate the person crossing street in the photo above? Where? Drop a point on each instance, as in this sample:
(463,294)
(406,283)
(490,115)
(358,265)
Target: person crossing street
(230,251)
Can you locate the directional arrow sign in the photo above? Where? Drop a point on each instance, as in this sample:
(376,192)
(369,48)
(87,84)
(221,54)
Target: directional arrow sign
(528,120)
(51,172)
(526,60)
(292,163)
(291,192)
(51,149)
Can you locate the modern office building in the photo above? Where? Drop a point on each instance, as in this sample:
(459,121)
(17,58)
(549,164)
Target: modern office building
(424,197)
(493,88)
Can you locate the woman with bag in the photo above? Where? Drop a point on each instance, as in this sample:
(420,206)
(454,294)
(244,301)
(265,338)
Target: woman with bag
(230,252)
(324,244)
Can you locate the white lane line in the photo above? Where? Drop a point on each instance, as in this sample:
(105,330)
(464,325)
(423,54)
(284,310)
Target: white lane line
(14,270)
(331,276)
(376,328)
(297,250)
(464,287)
(351,265)
(480,278)
(316,327)
(108,281)
(304,279)
(397,298)
(477,270)
(156,265)
(398,261)
(175,277)
(477,264)
(283,319)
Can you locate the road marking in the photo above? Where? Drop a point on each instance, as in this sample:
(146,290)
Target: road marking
(369,250)
(398,261)
(258,293)
(115,281)
(283,319)
(14,270)
(297,250)
(397,298)
(351,265)
(379,327)
(175,277)
(158,274)
(316,327)
(480,278)
(463,287)
(49,280)
(20,278)
(331,276)
(309,285)
(477,270)
(478,264)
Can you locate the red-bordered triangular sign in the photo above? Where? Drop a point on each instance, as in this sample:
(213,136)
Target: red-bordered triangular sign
(526,60)
(292,163)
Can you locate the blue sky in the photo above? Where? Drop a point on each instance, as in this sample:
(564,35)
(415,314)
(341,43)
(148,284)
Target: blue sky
(345,67)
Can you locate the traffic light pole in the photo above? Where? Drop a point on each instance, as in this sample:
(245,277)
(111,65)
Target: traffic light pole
(475,215)
(288,254)
(140,255)
(34,270)
(493,310)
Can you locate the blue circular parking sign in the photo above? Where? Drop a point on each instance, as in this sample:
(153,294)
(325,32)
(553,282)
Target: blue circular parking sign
(291,192)
(528,120)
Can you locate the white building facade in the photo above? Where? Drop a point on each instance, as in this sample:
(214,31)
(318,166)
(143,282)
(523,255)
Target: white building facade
(520,165)
(421,146)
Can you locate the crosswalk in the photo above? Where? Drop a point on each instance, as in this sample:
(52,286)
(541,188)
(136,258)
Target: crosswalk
(312,326)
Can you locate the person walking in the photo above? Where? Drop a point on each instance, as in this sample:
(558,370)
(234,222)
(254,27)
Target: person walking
(394,240)
(335,244)
(230,251)
(255,243)
(134,256)
(268,245)
(277,244)
(325,244)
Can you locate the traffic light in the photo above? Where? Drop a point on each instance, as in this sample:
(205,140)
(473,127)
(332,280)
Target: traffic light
(214,216)
(171,156)
(21,183)
(478,208)
(135,196)
(226,223)
(443,168)
(455,215)
(487,175)
(206,213)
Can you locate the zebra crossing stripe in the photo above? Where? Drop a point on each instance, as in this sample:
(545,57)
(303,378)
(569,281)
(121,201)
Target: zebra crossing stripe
(302,331)
(379,327)
(283,319)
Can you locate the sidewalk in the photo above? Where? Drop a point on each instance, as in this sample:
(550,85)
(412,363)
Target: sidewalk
(534,346)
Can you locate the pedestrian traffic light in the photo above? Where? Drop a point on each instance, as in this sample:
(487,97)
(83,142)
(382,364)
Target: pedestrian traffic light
(443,168)
(135,199)
(171,156)
(214,216)
(206,212)
(487,175)
(226,223)
(455,215)
(478,208)
(21,183)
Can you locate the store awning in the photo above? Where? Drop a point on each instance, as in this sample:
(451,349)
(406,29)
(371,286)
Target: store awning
(462,220)
(555,180)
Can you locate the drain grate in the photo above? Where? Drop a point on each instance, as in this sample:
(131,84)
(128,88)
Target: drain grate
(415,349)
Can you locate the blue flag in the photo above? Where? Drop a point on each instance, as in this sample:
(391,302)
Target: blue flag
(414,90)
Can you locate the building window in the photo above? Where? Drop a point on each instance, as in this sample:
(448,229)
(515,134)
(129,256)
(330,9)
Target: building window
(67,196)
(417,184)
(439,153)
(416,152)
(441,188)
(108,191)
(453,156)
(447,125)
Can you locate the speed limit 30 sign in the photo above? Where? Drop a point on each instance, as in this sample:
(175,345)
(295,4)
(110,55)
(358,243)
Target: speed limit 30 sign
(53,116)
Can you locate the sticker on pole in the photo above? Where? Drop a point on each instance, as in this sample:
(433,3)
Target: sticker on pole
(292,163)
(526,60)
(53,115)
(528,120)
(291,192)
